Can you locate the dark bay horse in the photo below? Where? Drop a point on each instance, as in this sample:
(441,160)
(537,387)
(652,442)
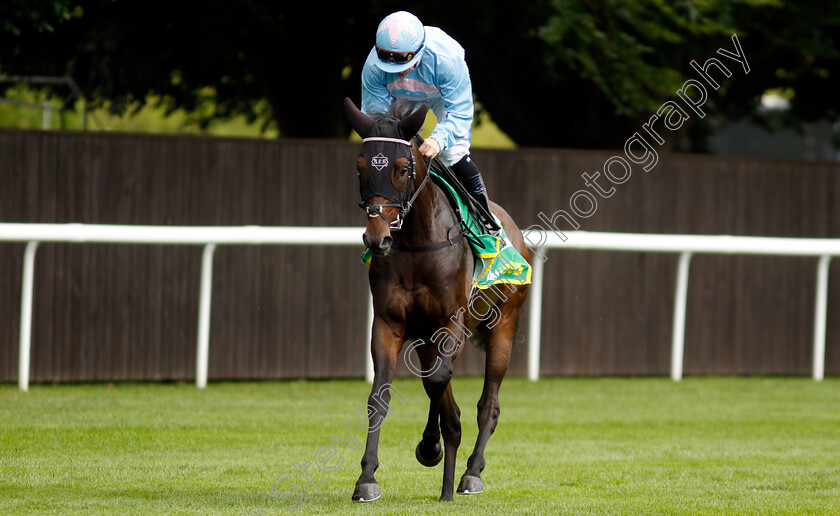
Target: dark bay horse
(421,280)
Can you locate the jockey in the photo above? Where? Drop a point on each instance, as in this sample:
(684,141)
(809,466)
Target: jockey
(424,64)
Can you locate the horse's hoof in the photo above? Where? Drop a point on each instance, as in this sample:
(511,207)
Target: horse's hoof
(366,492)
(429,463)
(470,485)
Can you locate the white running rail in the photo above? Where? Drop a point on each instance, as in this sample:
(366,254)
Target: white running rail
(686,246)
(543,241)
(208,236)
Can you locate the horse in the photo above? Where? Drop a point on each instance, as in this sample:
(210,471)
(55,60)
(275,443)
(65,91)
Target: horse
(420,278)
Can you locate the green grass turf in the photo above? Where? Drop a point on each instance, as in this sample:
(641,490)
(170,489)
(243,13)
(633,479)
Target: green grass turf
(563,446)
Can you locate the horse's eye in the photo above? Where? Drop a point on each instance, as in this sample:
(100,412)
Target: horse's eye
(404,170)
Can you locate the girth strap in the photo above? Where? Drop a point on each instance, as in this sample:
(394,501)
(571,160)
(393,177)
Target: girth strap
(431,247)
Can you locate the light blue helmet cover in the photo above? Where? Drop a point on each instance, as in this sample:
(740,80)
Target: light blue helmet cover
(400,32)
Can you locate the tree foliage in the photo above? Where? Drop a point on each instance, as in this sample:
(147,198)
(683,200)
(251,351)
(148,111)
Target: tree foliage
(551,72)
(18,16)
(587,73)
(231,55)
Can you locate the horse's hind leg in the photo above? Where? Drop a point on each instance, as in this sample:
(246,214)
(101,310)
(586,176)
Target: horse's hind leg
(442,407)
(450,426)
(499,346)
(429,452)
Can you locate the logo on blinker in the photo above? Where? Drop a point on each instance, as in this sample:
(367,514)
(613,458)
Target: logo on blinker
(379,161)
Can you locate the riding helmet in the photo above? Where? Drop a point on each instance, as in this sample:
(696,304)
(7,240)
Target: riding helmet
(400,39)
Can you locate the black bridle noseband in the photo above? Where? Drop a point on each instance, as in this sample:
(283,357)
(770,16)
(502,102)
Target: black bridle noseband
(380,185)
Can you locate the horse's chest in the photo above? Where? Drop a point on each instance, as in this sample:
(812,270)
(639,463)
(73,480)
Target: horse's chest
(425,306)
(429,294)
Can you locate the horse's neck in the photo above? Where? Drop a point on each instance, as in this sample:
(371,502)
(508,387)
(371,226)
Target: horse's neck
(429,219)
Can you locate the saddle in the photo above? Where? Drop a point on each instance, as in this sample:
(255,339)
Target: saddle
(483,243)
(475,210)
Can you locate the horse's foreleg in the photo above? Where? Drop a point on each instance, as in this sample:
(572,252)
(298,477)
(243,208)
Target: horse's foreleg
(498,357)
(385,346)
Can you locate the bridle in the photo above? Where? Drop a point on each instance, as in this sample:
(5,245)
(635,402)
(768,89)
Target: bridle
(381,143)
(377,187)
(403,200)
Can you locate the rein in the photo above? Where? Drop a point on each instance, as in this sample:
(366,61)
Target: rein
(433,247)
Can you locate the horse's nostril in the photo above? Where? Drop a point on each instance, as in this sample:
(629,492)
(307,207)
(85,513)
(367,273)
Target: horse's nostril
(386,242)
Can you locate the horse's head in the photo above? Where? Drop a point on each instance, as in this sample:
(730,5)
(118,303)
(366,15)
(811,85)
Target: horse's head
(386,167)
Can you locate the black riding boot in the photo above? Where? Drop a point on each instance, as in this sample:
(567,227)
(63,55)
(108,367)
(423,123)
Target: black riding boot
(470,177)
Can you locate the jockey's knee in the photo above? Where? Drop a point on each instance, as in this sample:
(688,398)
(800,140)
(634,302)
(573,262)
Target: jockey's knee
(469,174)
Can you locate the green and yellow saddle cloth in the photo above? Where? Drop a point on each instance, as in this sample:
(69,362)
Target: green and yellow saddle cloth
(498,261)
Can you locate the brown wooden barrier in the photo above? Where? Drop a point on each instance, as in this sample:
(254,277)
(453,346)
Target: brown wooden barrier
(129,312)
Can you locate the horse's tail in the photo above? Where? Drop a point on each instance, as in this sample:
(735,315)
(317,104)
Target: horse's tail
(479,339)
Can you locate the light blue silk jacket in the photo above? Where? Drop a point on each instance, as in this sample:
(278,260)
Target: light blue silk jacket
(441,80)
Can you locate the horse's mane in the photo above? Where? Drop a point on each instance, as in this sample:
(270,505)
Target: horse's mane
(398,110)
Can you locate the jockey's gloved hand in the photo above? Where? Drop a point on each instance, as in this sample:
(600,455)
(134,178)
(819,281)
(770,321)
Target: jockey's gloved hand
(430,148)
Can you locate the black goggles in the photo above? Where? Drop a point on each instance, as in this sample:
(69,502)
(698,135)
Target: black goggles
(396,57)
